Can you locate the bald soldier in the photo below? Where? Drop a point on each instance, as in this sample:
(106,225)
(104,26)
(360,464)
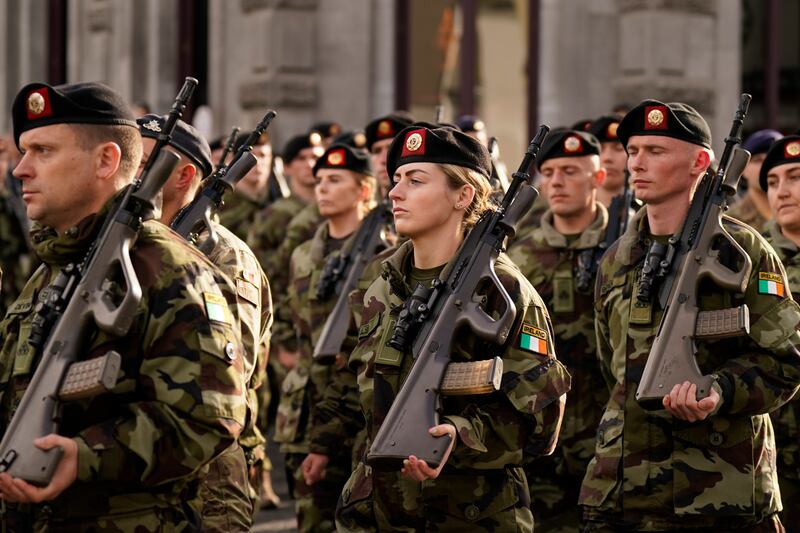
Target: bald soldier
(780,177)
(695,464)
(126,464)
(557,257)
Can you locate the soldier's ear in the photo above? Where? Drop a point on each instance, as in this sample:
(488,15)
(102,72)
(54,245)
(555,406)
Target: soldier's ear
(186,176)
(107,159)
(600,176)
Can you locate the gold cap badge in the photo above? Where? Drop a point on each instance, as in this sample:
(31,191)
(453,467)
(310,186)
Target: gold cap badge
(315,139)
(655,117)
(36,103)
(413,142)
(335,158)
(611,131)
(385,128)
(360,140)
(572,144)
(793,149)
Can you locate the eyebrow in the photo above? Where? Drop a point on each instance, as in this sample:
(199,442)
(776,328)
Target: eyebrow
(414,171)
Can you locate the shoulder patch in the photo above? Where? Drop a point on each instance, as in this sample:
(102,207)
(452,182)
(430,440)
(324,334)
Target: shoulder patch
(216,307)
(533,339)
(771,283)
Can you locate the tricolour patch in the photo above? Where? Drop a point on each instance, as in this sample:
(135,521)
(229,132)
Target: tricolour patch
(216,307)
(533,339)
(770,283)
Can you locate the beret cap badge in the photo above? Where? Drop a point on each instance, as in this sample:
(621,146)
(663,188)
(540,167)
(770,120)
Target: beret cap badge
(385,128)
(793,149)
(655,117)
(336,158)
(612,129)
(414,142)
(572,144)
(36,103)
(152,126)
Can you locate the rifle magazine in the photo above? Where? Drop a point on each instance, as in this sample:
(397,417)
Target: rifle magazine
(90,378)
(724,323)
(474,377)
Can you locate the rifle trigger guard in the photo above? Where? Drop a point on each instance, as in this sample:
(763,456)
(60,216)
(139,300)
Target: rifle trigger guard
(720,274)
(480,322)
(117,320)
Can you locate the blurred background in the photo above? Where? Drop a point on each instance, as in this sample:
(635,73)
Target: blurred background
(514,63)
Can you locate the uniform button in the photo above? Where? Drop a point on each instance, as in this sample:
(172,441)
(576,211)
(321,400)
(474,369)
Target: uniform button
(230,351)
(716,438)
(471,513)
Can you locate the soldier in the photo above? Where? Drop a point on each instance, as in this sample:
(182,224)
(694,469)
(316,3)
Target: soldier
(251,193)
(126,460)
(780,177)
(345,188)
(754,209)
(224,500)
(709,464)
(380,134)
(327,131)
(558,258)
(612,157)
(441,178)
(474,127)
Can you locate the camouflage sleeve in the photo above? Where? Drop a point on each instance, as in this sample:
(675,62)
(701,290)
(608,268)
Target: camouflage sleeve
(191,403)
(602,332)
(338,416)
(521,421)
(766,372)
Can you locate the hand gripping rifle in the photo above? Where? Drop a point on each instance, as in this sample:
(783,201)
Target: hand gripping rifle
(340,276)
(681,265)
(196,216)
(431,317)
(80,298)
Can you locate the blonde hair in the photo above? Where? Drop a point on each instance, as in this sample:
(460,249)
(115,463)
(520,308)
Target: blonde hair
(458,176)
(372,183)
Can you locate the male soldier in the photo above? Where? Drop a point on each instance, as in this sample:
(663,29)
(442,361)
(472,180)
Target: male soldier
(612,157)
(380,134)
(130,456)
(558,258)
(780,177)
(251,192)
(754,208)
(224,496)
(705,464)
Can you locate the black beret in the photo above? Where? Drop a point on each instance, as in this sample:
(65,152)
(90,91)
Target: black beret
(344,157)
(582,125)
(242,137)
(761,141)
(386,127)
(605,128)
(567,143)
(356,139)
(783,152)
(676,120)
(300,142)
(185,138)
(326,129)
(40,104)
(470,123)
(427,143)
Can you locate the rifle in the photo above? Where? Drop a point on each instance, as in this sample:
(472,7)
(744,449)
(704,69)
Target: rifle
(195,216)
(340,276)
(688,258)
(499,173)
(228,147)
(619,213)
(81,297)
(431,317)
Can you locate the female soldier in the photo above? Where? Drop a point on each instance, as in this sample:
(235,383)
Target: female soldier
(441,188)
(344,189)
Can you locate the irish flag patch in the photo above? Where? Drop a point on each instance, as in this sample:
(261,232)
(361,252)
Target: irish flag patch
(533,339)
(216,307)
(770,283)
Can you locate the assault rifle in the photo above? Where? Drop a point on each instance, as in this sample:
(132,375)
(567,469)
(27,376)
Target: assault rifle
(81,298)
(499,173)
(431,318)
(681,265)
(196,216)
(340,276)
(228,146)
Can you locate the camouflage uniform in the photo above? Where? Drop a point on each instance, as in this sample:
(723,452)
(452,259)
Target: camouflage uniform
(17,261)
(178,403)
(304,385)
(787,419)
(239,212)
(550,263)
(226,498)
(746,211)
(654,472)
(482,486)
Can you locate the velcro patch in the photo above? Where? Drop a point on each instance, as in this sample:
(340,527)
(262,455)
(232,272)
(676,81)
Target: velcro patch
(248,291)
(533,339)
(770,283)
(216,307)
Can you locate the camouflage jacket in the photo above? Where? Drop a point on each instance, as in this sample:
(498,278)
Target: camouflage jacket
(652,471)
(17,260)
(550,264)
(301,228)
(497,432)
(746,211)
(179,400)
(238,213)
(787,419)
